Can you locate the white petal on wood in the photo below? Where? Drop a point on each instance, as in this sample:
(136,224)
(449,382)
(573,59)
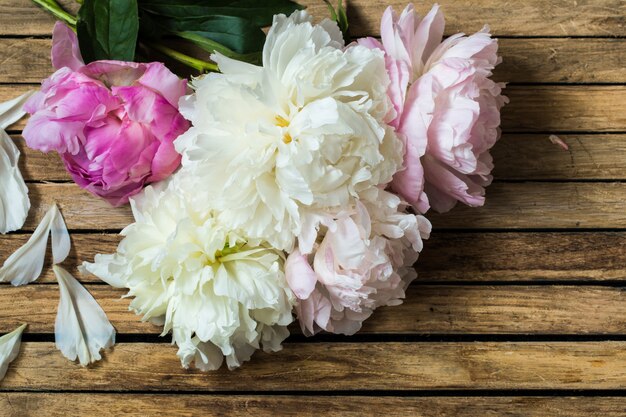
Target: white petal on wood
(25,264)
(61,243)
(10,348)
(82,328)
(14,202)
(11,111)
(101,268)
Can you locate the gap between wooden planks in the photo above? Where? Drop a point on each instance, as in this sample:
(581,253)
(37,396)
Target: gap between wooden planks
(535,205)
(335,366)
(140,405)
(524,60)
(524,156)
(469,257)
(520,18)
(428,309)
(559,108)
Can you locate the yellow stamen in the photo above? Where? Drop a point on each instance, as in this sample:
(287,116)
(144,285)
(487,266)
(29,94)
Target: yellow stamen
(287,138)
(281,121)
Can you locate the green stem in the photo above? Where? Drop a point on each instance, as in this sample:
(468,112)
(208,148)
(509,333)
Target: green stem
(53,8)
(198,64)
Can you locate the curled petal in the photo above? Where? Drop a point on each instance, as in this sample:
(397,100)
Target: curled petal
(10,348)
(82,328)
(25,264)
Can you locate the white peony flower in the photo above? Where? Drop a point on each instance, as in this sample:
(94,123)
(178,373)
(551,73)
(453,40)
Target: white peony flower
(220,293)
(277,148)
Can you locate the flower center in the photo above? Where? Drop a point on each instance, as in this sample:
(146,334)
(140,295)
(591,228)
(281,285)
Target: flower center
(284,123)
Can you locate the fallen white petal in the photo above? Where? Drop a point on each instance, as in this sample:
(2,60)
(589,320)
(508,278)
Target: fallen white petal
(10,348)
(25,264)
(14,202)
(11,111)
(82,328)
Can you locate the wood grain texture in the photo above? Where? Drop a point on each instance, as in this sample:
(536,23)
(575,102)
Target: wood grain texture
(535,157)
(538,205)
(465,257)
(524,60)
(558,108)
(336,366)
(427,310)
(535,205)
(565,108)
(523,256)
(524,156)
(180,405)
(524,17)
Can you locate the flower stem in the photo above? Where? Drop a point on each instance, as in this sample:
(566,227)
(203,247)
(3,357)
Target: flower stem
(198,64)
(52,7)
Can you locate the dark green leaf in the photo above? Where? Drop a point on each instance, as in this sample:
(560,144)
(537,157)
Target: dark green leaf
(235,33)
(259,12)
(108,29)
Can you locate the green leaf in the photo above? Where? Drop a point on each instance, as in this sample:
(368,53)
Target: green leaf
(211,46)
(340,16)
(259,12)
(108,29)
(235,33)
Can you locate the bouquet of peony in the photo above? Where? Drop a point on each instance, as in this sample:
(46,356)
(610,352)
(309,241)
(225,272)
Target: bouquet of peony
(290,180)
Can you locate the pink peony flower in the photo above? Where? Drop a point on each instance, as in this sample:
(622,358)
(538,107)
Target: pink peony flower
(446,109)
(112,122)
(363,261)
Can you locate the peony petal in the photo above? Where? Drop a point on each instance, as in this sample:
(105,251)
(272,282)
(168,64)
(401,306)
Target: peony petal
(10,348)
(65,51)
(82,328)
(14,202)
(60,238)
(300,276)
(11,111)
(25,264)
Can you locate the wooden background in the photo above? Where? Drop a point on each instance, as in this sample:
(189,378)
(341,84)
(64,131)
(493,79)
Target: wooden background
(520,306)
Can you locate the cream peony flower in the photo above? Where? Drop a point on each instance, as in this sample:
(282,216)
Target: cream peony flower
(277,148)
(220,293)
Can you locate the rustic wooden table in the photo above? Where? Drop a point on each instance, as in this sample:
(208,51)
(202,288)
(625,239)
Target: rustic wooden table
(519,310)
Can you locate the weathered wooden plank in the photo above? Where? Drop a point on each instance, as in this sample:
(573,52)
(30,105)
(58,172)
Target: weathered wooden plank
(525,156)
(467,257)
(38,166)
(565,108)
(80,208)
(426,310)
(336,366)
(524,60)
(525,17)
(509,205)
(140,405)
(542,205)
(535,157)
(532,108)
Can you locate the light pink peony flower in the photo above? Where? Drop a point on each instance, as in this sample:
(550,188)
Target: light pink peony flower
(363,261)
(113,122)
(447,110)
